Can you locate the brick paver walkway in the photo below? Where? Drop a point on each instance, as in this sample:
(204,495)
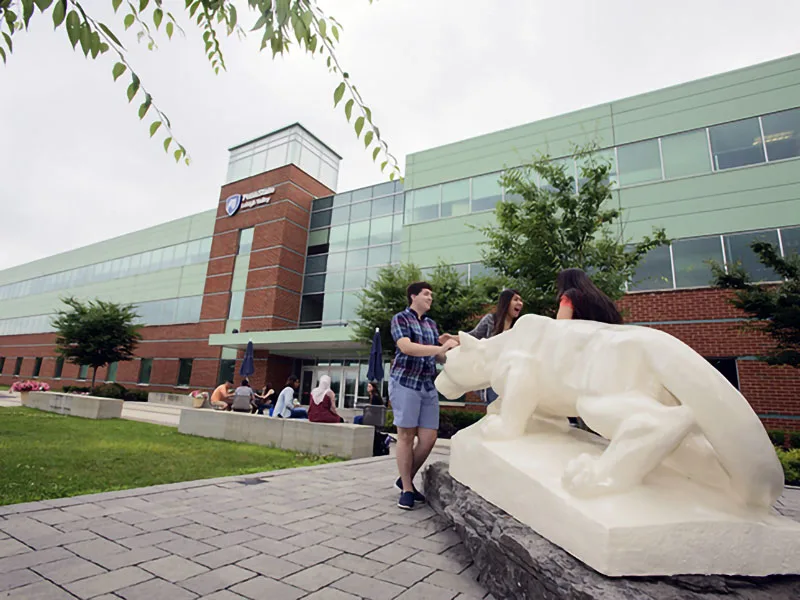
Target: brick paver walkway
(323,533)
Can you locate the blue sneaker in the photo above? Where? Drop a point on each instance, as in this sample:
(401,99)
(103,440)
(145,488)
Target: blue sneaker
(418,497)
(406,501)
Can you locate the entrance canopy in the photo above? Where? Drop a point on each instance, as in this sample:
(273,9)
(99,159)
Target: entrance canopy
(296,343)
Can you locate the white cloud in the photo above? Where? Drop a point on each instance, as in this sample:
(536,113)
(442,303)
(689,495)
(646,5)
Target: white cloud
(76,165)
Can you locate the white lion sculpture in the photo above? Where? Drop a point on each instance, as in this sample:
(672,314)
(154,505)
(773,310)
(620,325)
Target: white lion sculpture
(654,398)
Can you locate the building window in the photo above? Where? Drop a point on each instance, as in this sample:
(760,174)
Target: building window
(790,240)
(726,366)
(111,374)
(320,219)
(311,309)
(246,240)
(455,198)
(639,162)
(184,372)
(685,154)
(37,366)
(736,144)
(83,372)
(2,363)
(654,271)
(227,369)
(691,257)
(237,306)
(486,192)
(59,367)
(425,204)
(314,284)
(737,250)
(782,134)
(18,366)
(145,369)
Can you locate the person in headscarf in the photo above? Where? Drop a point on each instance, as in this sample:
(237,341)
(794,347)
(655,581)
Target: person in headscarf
(321,409)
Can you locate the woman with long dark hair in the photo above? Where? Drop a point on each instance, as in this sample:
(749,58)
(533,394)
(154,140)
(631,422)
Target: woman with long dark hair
(580,298)
(509,306)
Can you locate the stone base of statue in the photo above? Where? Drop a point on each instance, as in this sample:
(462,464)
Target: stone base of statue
(668,525)
(515,562)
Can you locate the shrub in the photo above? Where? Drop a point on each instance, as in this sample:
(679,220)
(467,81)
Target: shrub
(75,389)
(110,390)
(135,396)
(778,438)
(794,439)
(790,460)
(450,421)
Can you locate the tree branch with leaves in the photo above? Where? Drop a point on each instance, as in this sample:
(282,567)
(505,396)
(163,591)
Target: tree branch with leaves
(772,309)
(281,23)
(550,225)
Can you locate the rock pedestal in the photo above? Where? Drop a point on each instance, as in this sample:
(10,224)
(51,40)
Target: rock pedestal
(517,563)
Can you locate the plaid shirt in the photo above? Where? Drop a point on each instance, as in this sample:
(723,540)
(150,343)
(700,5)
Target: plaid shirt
(414,372)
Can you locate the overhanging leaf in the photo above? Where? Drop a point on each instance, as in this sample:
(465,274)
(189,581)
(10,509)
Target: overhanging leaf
(118,70)
(129,19)
(359,126)
(376,152)
(338,93)
(43,4)
(145,107)
(348,108)
(59,12)
(170,28)
(158,15)
(368,139)
(116,4)
(167,142)
(110,34)
(133,87)
(154,127)
(73,27)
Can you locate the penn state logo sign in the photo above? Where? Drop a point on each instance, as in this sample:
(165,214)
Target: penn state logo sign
(232,204)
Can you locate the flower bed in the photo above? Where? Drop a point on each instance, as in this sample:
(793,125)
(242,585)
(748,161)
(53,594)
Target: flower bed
(29,386)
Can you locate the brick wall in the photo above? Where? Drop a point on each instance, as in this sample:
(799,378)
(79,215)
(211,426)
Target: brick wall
(706,321)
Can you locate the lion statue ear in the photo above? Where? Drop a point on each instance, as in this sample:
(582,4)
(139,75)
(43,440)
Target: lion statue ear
(467,342)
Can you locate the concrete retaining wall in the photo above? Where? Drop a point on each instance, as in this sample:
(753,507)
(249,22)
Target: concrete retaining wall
(341,439)
(88,407)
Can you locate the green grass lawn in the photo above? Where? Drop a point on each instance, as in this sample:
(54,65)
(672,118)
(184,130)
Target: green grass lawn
(4,388)
(45,455)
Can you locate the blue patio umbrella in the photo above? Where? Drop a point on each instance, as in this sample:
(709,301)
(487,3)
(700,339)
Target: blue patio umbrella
(375,367)
(248,365)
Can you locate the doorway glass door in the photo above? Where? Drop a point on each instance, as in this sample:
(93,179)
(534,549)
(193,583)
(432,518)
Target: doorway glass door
(344,383)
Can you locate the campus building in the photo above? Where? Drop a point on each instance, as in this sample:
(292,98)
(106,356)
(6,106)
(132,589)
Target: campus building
(281,256)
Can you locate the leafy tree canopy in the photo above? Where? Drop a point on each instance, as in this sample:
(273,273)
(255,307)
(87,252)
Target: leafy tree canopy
(96,333)
(457,304)
(774,310)
(546,226)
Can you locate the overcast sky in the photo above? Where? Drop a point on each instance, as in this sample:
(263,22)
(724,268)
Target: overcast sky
(77,166)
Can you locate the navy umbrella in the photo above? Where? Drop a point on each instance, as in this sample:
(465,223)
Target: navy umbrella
(248,364)
(375,368)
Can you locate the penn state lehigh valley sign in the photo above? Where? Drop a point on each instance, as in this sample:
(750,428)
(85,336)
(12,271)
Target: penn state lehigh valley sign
(243,201)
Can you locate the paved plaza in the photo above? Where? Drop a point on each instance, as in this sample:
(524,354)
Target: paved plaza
(330,532)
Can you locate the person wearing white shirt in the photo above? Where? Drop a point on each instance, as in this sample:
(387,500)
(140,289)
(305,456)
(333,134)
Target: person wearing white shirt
(285,402)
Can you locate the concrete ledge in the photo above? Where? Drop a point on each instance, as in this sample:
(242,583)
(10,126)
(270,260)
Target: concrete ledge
(88,407)
(171,399)
(342,439)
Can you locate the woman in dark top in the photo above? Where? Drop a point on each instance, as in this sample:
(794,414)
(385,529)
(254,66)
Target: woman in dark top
(263,399)
(580,298)
(374,395)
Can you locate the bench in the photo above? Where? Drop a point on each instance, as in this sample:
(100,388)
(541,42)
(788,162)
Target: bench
(337,439)
(76,405)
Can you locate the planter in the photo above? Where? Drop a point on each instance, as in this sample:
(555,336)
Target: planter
(24,398)
(198,402)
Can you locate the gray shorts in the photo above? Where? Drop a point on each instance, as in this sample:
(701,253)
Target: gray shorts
(414,408)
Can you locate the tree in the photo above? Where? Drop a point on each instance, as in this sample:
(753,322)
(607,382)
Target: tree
(457,305)
(278,22)
(546,228)
(96,333)
(774,310)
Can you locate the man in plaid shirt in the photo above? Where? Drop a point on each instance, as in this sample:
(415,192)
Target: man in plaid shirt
(415,401)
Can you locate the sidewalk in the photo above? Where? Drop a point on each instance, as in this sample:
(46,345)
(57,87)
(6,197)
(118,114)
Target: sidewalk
(330,532)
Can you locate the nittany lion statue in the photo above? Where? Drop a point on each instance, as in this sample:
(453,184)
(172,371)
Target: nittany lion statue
(654,398)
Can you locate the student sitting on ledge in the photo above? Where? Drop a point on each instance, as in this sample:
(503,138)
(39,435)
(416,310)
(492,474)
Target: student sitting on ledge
(321,408)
